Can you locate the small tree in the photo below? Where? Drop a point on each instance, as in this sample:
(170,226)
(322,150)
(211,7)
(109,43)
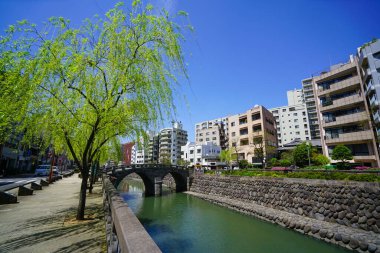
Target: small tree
(262,149)
(226,156)
(342,153)
(301,154)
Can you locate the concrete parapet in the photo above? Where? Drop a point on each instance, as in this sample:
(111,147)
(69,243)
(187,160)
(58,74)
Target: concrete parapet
(128,235)
(23,191)
(7,198)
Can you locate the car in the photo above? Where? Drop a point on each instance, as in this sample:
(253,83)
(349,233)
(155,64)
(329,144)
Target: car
(44,170)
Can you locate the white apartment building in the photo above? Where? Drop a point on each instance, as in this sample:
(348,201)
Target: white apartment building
(138,154)
(170,142)
(215,131)
(295,97)
(292,123)
(205,155)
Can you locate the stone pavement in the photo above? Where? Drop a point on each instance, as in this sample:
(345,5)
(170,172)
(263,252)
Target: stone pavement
(45,222)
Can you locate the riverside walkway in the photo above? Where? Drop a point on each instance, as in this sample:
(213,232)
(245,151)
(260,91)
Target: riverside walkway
(45,222)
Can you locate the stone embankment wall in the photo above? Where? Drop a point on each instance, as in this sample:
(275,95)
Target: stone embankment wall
(352,204)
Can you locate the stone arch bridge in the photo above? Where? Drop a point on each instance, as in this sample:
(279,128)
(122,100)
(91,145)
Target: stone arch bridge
(152,176)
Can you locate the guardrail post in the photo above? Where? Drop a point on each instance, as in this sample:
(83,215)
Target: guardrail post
(23,191)
(7,198)
(36,186)
(44,182)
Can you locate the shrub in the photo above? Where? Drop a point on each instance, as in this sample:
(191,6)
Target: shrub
(273,162)
(243,164)
(307,175)
(285,162)
(319,159)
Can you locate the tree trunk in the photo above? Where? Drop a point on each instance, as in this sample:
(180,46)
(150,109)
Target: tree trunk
(82,194)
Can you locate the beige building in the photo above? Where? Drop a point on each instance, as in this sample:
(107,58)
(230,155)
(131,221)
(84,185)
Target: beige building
(215,131)
(343,113)
(243,127)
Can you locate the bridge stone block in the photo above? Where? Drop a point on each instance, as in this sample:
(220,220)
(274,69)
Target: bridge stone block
(7,198)
(36,186)
(23,191)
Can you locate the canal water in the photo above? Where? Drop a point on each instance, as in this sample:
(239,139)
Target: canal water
(178,222)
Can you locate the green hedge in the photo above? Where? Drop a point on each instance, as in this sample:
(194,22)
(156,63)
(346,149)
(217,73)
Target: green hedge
(307,175)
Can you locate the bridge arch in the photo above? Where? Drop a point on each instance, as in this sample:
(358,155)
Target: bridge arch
(148,183)
(152,176)
(179,179)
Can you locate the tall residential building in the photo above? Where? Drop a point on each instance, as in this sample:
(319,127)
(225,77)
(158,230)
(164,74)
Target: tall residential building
(369,62)
(215,131)
(292,123)
(170,142)
(295,97)
(244,127)
(205,154)
(343,113)
(310,101)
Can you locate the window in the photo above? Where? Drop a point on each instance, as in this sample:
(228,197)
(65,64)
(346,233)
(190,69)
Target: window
(295,120)
(284,110)
(214,138)
(296,126)
(295,114)
(199,160)
(200,134)
(207,139)
(292,109)
(255,116)
(242,120)
(199,151)
(191,151)
(232,123)
(306,132)
(304,119)
(200,139)
(297,133)
(307,138)
(207,133)
(243,142)
(244,131)
(191,160)
(233,134)
(303,113)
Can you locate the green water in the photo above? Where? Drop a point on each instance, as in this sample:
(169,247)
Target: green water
(181,223)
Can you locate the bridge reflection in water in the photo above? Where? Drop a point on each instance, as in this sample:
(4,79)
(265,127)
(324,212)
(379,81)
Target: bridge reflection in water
(181,223)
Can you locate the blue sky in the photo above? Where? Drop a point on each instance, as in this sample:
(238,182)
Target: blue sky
(243,52)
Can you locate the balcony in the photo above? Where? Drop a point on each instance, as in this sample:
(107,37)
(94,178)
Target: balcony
(342,103)
(376,117)
(347,138)
(346,84)
(370,88)
(346,119)
(338,71)
(364,158)
(373,102)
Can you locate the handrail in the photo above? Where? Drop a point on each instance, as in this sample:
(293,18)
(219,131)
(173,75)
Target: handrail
(125,233)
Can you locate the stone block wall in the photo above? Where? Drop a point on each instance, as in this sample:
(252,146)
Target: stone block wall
(353,204)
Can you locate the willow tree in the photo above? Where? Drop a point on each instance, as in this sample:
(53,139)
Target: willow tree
(85,86)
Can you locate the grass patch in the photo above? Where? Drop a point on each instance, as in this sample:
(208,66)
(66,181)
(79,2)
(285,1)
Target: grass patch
(307,175)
